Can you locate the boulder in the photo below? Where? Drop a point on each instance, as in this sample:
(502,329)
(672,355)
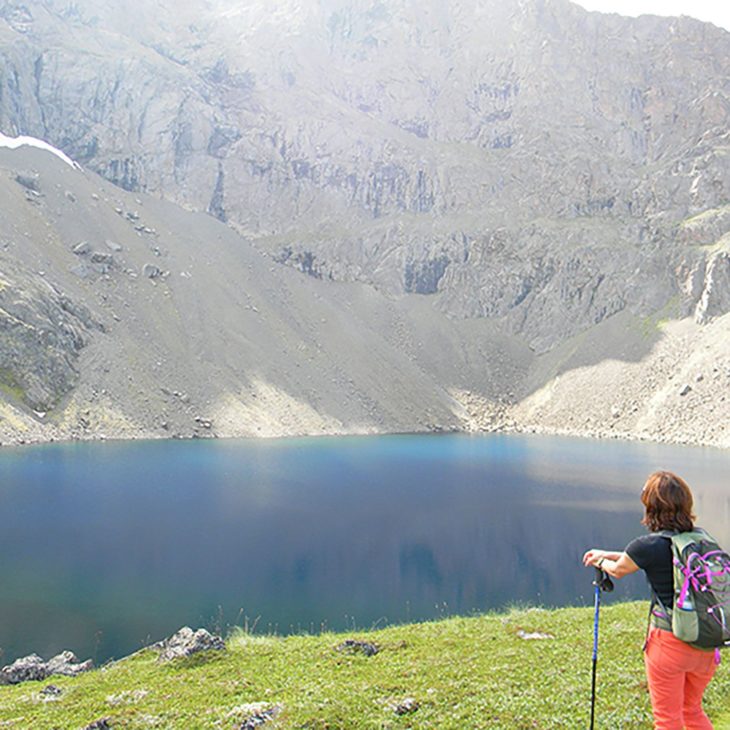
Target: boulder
(33,668)
(253,715)
(101,724)
(67,664)
(99,257)
(81,249)
(355,646)
(406,706)
(26,669)
(81,270)
(29,182)
(187,642)
(102,262)
(151,271)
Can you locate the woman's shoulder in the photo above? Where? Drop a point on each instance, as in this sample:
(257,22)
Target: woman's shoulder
(653,538)
(650,549)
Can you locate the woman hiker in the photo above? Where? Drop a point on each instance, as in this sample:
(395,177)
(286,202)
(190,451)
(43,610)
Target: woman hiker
(676,672)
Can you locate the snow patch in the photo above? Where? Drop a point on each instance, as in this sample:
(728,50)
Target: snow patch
(15,142)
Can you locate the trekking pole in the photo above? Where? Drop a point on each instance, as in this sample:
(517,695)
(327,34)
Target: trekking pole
(601,582)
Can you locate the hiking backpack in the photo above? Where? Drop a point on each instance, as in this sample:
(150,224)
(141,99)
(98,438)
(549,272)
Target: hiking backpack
(701,613)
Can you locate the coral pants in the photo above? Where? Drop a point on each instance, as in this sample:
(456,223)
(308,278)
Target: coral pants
(677,674)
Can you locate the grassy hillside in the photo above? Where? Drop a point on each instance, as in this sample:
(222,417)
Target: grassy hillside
(459,673)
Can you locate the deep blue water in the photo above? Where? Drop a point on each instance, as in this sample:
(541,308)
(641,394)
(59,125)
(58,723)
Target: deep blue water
(105,547)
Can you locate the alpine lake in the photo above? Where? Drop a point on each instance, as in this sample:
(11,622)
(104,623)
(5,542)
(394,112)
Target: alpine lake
(107,547)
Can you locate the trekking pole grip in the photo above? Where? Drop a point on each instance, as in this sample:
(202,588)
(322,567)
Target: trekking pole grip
(602,580)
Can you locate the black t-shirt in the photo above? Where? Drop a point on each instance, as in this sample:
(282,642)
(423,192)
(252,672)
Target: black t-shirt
(653,554)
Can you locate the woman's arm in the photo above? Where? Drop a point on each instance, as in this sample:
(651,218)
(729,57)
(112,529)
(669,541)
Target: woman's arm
(594,554)
(617,565)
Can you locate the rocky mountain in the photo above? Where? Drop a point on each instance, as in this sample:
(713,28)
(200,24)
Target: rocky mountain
(122,315)
(491,203)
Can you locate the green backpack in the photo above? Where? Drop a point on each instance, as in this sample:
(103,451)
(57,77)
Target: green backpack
(701,613)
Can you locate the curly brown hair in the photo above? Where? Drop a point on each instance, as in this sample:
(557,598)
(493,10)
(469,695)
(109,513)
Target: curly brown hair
(668,502)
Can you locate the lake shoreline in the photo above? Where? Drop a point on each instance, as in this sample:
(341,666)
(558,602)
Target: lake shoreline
(509,427)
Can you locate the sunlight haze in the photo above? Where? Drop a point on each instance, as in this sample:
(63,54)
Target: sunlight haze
(708,10)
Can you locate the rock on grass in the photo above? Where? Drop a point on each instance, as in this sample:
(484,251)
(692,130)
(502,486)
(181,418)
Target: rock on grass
(102,724)
(253,715)
(187,642)
(406,706)
(33,668)
(354,646)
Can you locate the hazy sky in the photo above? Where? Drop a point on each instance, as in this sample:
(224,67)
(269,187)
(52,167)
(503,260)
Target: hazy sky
(714,11)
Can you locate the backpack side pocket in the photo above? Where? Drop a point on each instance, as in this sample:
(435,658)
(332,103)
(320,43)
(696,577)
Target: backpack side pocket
(685,623)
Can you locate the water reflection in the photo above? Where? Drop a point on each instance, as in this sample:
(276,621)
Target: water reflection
(105,547)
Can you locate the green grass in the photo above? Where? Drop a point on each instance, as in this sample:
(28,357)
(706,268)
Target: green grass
(10,386)
(464,673)
(654,322)
(706,215)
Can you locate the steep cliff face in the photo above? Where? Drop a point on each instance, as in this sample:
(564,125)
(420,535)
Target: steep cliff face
(127,317)
(437,208)
(525,161)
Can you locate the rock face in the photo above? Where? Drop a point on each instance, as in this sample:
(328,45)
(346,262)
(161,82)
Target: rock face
(393,216)
(42,332)
(715,299)
(527,162)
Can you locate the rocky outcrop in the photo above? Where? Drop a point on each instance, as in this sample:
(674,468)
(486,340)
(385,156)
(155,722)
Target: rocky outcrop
(715,298)
(187,642)
(42,332)
(32,668)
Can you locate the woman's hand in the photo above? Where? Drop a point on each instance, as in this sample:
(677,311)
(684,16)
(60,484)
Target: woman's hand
(615,564)
(593,556)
